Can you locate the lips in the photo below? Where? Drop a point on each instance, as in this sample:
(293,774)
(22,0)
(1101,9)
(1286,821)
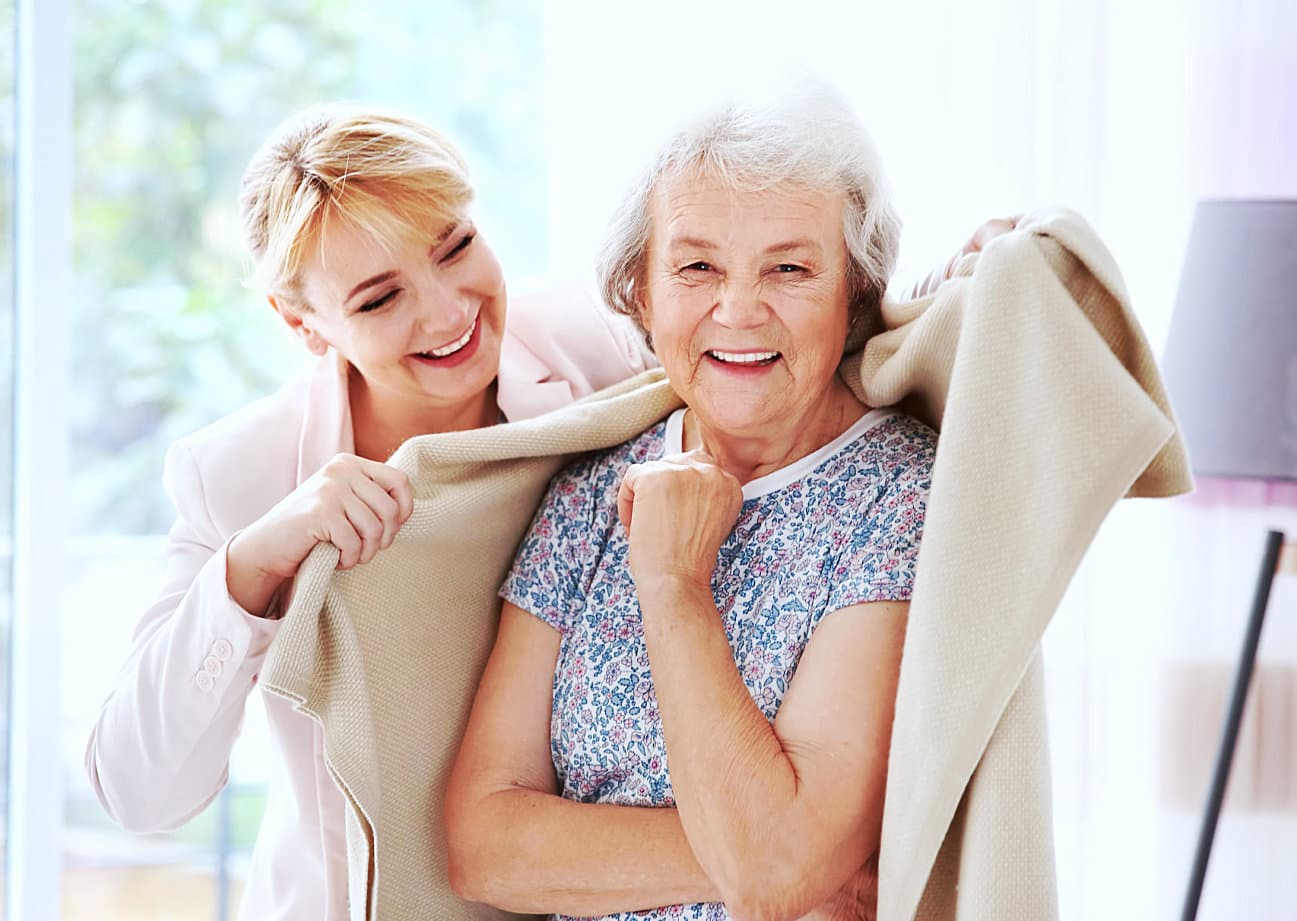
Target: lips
(743,359)
(455,352)
(451,348)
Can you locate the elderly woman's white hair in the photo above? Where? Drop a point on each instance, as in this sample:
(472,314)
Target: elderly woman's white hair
(809,136)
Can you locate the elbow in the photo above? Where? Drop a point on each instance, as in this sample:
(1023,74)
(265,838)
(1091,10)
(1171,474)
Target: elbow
(133,803)
(467,854)
(484,857)
(465,874)
(133,814)
(463,881)
(475,872)
(137,815)
(142,823)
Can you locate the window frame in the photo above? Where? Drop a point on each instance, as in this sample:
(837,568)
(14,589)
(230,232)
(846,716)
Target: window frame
(42,287)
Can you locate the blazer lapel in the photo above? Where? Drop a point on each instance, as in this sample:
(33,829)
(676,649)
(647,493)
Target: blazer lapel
(527,386)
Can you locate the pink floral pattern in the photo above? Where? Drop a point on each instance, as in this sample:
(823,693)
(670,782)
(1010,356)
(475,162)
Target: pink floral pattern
(846,533)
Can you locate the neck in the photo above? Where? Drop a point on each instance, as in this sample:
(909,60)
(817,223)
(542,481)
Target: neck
(749,457)
(382,422)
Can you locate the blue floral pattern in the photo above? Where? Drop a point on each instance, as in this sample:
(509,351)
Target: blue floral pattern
(844,533)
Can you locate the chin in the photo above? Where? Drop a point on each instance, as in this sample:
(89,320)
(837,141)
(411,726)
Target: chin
(741,421)
(474,377)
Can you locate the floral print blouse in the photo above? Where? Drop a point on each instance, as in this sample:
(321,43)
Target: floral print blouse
(837,528)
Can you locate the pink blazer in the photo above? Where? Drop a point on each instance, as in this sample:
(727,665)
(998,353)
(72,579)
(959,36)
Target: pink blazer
(160,749)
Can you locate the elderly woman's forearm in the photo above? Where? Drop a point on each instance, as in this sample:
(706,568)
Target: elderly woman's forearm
(532,852)
(774,851)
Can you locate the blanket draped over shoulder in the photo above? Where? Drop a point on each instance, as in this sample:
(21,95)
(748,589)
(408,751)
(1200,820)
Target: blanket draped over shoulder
(1050,409)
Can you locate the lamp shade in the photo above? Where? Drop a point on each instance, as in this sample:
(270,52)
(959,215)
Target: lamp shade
(1231,356)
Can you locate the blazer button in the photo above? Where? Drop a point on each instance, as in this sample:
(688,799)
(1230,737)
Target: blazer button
(212,666)
(222,649)
(204,682)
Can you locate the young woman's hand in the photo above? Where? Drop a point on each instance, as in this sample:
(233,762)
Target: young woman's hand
(357,505)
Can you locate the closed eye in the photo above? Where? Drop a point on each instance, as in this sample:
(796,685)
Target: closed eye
(370,306)
(459,247)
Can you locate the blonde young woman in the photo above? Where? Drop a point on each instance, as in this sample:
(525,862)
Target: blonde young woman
(360,228)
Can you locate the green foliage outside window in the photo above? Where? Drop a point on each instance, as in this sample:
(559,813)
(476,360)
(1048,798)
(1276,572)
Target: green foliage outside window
(172,97)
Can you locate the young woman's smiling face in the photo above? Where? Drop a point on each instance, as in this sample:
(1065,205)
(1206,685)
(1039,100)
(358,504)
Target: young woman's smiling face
(421,321)
(746,300)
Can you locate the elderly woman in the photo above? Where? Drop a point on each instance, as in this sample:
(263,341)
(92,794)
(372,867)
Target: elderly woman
(689,703)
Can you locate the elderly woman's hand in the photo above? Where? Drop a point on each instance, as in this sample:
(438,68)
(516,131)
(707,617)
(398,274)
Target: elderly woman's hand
(677,512)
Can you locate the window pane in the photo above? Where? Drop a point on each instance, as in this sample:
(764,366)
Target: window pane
(171,99)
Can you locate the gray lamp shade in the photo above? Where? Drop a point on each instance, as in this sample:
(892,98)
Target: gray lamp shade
(1231,357)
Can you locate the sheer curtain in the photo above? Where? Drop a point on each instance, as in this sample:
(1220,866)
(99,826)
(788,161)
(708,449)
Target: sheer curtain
(1127,113)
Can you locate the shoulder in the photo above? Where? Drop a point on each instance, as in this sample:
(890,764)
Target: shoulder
(888,465)
(271,419)
(905,447)
(888,478)
(234,469)
(901,452)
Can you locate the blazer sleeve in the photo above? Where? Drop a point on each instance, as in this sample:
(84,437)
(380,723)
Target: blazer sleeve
(159,751)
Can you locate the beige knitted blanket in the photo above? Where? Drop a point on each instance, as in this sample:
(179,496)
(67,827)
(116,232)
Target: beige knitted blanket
(1050,409)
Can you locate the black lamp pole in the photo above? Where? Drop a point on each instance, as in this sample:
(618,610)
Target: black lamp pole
(1233,720)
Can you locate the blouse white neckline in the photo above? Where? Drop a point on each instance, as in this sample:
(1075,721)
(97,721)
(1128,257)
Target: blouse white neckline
(673,443)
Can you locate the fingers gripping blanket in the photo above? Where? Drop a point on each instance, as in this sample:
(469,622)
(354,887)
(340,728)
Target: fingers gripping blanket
(1050,410)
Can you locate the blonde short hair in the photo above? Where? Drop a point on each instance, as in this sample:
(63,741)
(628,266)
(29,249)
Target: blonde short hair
(390,176)
(807,136)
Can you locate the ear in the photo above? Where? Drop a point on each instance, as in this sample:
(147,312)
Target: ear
(639,297)
(296,319)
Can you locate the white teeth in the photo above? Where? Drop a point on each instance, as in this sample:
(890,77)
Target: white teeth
(454,346)
(743,358)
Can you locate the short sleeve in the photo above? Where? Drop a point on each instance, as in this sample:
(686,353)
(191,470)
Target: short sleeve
(550,568)
(878,563)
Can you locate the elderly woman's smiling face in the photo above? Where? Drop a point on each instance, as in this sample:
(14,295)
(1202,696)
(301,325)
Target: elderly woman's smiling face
(746,300)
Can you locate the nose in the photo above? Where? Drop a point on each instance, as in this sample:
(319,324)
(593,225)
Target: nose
(444,309)
(740,306)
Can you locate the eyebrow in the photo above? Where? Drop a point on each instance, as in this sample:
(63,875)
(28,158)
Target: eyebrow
(690,243)
(370,282)
(789,246)
(391,273)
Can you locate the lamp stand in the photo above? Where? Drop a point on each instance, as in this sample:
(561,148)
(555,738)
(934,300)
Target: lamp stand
(1233,720)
